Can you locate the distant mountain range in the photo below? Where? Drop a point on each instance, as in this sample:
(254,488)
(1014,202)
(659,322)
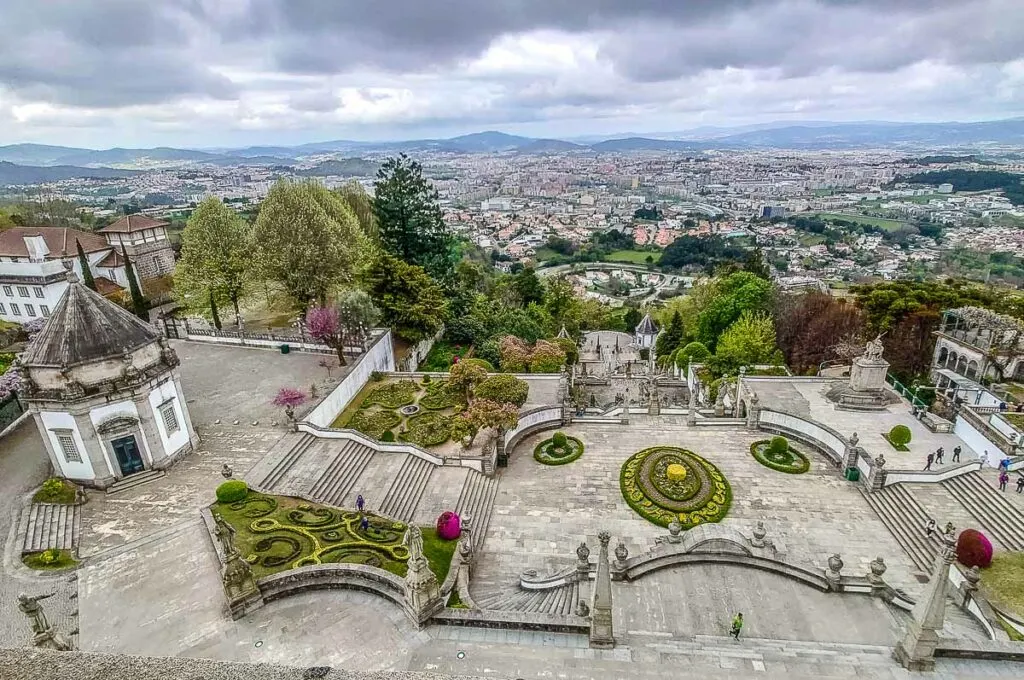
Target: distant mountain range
(11,173)
(810,135)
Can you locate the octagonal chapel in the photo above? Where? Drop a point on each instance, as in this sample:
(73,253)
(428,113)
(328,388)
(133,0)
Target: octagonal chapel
(104,390)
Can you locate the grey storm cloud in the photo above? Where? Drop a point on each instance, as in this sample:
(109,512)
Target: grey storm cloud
(111,53)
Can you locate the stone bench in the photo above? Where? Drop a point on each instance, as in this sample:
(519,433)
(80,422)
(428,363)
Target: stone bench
(936,423)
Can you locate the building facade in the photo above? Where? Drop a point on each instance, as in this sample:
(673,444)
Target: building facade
(104,390)
(145,241)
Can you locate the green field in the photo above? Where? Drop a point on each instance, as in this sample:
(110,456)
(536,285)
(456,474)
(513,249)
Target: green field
(921,200)
(543,254)
(632,256)
(888,225)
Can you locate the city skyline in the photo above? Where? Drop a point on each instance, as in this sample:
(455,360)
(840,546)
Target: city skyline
(218,74)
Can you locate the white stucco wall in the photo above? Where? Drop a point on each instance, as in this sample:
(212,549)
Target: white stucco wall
(98,415)
(173,442)
(977,441)
(64,421)
(380,357)
(834,444)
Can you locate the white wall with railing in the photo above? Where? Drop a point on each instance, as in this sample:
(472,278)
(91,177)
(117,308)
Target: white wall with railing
(379,357)
(1003,426)
(532,420)
(977,441)
(929,477)
(831,443)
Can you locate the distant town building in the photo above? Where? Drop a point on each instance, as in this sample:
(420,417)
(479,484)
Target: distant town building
(770,211)
(946,188)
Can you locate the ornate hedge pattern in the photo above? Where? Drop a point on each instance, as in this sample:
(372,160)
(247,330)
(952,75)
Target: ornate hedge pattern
(791,461)
(547,453)
(380,412)
(428,429)
(393,394)
(374,422)
(703,495)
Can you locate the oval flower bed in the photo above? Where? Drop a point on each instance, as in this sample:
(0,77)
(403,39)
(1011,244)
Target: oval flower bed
(373,422)
(393,394)
(438,396)
(428,429)
(663,483)
(789,461)
(548,453)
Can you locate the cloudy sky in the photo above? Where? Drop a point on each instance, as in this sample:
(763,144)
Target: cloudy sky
(226,72)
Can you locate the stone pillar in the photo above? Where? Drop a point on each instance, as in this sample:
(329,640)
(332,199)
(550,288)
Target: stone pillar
(601,633)
(43,633)
(739,388)
(850,453)
(720,400)
(691,414)
(876,475)
(422,594)
(916,651)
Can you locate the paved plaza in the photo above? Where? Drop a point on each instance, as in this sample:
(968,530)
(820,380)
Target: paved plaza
(151,583)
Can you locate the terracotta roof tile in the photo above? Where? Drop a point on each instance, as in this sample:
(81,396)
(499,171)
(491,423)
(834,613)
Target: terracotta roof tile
(59,240)
(130,223)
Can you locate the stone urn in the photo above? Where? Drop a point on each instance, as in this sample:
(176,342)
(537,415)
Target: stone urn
(759,533)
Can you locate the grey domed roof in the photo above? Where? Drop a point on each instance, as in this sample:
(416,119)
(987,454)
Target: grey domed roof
(646,326)
(87,327)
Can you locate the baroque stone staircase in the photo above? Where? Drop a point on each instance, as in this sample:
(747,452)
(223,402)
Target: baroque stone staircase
(132,481)
(998,517)
(476,502)
(905,519)
(559,601)
(51,525)
(286,462)
(407,488)
(340,476)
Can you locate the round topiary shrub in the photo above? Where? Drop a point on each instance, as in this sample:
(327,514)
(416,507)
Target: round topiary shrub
(558,450)
(778,445)
(559,440)
(232,491)
(973,549)
(780,456)
(449,526)
(388,436)
(482,363)
(899,435)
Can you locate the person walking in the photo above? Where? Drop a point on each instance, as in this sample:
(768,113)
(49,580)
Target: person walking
(1020,484)
(956,454)
(929,528)
(938,456)
(737,626)
(1004,464)
(360,503)
(931,459)
(1004,478)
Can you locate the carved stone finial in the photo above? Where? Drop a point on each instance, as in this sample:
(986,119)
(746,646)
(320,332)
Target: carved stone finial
(621,552)
(854,439)
(759,533)
(582,609)
(674,527)
(878,567)
(604,537)
(226,471)
(880,461)
(583,552)
(835,563)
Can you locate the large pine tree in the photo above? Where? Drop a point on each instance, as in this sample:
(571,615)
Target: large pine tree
(409,220)
(83,262)
(139,306)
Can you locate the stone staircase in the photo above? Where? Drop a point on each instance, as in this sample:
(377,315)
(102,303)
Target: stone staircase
(132,481)
(476,502)
(998,517)
(51,525)
(559,601)
(340,477)
(906,519)
(286,462)
(406,490)
(830,654)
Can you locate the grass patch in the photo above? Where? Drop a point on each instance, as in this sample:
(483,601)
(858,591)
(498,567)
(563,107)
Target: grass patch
(791,462)
(544,253)
(898,447)
(50,560)
(55,491)
(880,222)
(455,602)
(1015,419)
(427,429)
(6,359)
(393,394)
(439,359)
(438,552)
(632,256)
(1001,582)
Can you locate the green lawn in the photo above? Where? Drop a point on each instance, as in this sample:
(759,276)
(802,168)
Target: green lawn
(1001,582)
(50,560)
(440,356)
(921,200)
(544,253)
(811,239)
(632,256)
(888,225)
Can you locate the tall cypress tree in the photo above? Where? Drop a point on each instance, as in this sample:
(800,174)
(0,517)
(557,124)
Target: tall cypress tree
(83,262)
(139,306)
(213,310)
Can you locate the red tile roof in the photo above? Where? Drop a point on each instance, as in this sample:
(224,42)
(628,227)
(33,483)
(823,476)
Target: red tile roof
(130,223)
(105,286)
(113,259)
(59,240)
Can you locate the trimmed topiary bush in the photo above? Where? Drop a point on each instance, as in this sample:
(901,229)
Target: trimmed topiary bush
(780,457)
(232,491)
(558,450)
(388,436)
(482,363)
(899,435)
(973,549)
(559,440)
(449,526)
(778,445)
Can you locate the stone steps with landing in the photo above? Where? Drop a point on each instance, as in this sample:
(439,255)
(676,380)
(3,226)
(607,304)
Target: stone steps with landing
(477,503)
(997,516)
(375,480)
(284,462)
(906,520)
(555,601)
(307,468)
(405,492)
(132,481)
(52,525)
(340,476)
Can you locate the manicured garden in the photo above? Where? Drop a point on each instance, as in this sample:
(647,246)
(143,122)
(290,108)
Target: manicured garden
(558,450)
(277,533)
(442,355)
(666,483)
(777,454)
(1002,579)
(53,559)
(418,412)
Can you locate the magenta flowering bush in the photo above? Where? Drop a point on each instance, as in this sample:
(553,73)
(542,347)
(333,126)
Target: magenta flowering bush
(449,526)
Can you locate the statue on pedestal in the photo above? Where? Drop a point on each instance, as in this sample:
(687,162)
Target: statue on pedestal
(43,634)
(874,349)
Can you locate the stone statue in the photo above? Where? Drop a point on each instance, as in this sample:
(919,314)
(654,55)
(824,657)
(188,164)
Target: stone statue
(853,440)
(874,348)
(880,461)
(583,552)
(225,533)
(43,634)
(226,471)
(414,541)
(582,609)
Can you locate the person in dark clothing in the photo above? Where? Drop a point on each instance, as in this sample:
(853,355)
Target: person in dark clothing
(938,456)
(1004,478)
(931,459)
(956,454)
(1020,484)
